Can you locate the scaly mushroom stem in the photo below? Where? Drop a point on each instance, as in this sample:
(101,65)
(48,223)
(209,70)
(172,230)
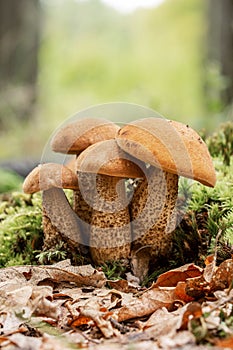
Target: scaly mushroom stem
(153,216)
(59,220)
(82,204)
(110,230)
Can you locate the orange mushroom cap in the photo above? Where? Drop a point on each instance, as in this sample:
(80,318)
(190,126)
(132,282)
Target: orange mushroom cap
(171,145)
(50,175)
(107,158)
(75,137)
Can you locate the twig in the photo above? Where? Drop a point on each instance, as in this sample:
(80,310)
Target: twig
(123,329)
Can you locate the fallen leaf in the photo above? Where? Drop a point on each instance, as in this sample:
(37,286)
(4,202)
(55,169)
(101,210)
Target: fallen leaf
(197,287)
(79,275)
(79,321)
(223,276)
(99,318)
(20,341)
(193,310)
(125,286)
(146,304)
(172,277)
(181,294)
(162,322)
(209,259)
(9,322)
(209,271)
(181,340)
(225,343)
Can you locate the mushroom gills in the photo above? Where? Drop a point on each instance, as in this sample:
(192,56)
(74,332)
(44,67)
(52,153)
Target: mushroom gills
(110,235)
(153,218)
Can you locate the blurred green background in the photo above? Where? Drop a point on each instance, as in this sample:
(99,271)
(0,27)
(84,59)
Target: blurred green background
(60,56)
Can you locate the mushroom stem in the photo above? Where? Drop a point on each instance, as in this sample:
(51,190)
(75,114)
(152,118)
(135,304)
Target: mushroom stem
(81,204)
(153,216)
(59,220)
(50,178)
(110,235)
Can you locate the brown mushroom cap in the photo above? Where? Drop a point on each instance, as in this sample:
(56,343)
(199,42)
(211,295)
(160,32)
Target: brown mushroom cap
(171,145)
(107,158)
(75,137)
(49,175)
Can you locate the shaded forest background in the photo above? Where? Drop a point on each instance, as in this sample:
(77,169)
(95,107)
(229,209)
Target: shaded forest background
(58,57)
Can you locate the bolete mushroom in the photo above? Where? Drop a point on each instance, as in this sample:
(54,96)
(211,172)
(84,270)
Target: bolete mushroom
(58,218)
(106,165)
(74,138)
(172,149)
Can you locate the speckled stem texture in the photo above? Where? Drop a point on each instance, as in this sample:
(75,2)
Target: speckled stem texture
(153,216)
(59,220)
(83,203)
(110,231)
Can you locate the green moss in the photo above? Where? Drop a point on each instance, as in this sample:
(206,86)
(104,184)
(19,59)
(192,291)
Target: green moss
(21,232)
(9,181)
(221,142)
(115,269)
(208,222)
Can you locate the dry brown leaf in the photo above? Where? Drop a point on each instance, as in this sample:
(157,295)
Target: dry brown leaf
(181,340)
(180,293)
(95,306)
(125,286)
(225,343)
(13,296)
(193,310)
(146,304)
(222,304)
(209,271)
(99,318)
(162,322)
(80,275)
(197,287)
(45,307)
(9,322)
(172,277)
(104,308)
(110,345)
(42,303)
(223,276)
(98,298)
(21,341)
(209,259)
(79,321)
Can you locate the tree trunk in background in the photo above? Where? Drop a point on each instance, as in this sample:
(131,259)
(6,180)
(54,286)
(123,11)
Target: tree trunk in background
(220,43)
(19,41)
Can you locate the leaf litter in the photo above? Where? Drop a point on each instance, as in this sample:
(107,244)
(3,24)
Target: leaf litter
(66,307)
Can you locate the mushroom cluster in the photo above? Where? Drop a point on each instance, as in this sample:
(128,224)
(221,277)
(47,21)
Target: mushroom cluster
(103,217)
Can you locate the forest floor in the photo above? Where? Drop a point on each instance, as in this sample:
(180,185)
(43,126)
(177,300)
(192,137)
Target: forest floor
(48,302)
(65,307)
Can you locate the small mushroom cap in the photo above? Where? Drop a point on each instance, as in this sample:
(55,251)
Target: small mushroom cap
(171,145)
(75,137)
(107,158)
(49,175)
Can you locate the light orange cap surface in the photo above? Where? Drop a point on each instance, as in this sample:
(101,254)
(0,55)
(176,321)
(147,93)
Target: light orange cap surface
(170,145)
(49,175)
(76,137)
(107,158)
